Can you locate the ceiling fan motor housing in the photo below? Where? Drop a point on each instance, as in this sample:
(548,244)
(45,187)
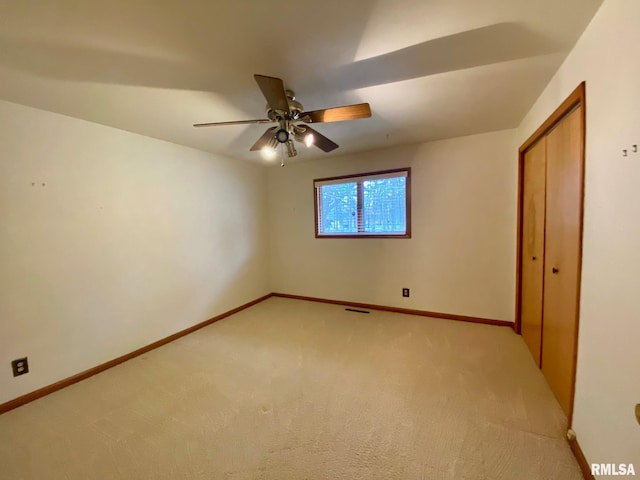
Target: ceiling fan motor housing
(295,109)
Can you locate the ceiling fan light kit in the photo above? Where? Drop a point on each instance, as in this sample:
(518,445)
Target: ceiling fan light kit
(282,135)
(308,139)
(291,149)
(288,113)
(269,150)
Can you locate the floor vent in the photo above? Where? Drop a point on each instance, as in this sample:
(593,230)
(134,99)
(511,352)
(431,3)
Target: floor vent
(355,310)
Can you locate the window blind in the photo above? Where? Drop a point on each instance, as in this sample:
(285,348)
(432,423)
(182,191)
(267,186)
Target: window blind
(371,204)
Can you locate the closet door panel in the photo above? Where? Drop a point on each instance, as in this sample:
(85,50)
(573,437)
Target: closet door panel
(562,256)
(532,262)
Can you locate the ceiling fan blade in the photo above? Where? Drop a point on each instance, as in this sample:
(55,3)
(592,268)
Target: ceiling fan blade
(273,90)
(263,141)
(320,141)
(337,114)
(237,122)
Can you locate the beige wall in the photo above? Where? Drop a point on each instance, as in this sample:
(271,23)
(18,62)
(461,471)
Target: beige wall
(608,382)
(461,256)
(130,240)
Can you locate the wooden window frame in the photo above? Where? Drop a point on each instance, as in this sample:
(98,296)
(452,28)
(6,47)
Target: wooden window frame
(316,199)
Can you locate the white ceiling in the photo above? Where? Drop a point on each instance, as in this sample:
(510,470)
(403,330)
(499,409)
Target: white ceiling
(430,69)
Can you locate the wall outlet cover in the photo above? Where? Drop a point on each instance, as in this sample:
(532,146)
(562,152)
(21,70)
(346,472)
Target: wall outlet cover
(405,292)
(20,366)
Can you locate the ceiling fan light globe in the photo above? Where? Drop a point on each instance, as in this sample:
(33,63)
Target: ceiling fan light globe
(268,153)
(282,136)
(291,149)
(309,139)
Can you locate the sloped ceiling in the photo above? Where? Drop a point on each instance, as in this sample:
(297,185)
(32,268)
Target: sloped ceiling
(430,69)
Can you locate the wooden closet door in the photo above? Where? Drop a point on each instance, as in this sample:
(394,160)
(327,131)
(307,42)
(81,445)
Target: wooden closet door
(532,262)
(562,256)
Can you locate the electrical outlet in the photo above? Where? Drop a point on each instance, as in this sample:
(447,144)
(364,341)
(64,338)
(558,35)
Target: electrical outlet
(405,292)
(20,366)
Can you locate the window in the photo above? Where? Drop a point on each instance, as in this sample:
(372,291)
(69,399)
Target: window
(375,204)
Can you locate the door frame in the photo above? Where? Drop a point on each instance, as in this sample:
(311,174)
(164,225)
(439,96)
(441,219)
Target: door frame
(577,97)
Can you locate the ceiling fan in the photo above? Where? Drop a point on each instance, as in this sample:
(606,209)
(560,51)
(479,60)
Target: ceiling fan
(290,117)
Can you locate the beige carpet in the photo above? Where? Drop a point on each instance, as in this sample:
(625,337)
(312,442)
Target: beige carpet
(298,390)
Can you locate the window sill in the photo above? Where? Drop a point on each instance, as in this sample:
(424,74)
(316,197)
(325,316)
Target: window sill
(364,235)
